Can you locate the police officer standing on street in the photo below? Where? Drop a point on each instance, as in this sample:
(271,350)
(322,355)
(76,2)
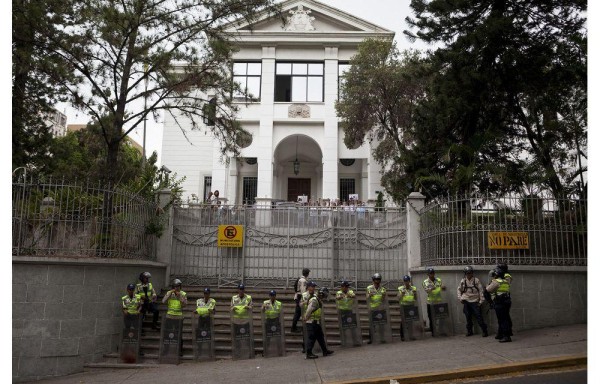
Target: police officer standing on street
(175,298)
(470,294)
(499,287)
(407,295)
(375,295)
(205,306)
(148,295)
(301,288)
(313,318)
(130,304)
(433,287)
(345,297)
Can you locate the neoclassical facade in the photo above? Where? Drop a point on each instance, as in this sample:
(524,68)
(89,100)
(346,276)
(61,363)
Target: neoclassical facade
(293,69)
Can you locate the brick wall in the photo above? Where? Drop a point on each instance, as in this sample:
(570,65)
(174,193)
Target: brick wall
(67,312)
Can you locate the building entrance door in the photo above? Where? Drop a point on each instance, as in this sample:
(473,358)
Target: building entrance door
(298,187)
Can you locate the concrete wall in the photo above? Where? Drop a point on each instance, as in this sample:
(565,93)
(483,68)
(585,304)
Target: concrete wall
(541,296)
(67,312)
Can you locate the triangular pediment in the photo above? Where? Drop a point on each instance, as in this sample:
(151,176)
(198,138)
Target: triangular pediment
(308,16)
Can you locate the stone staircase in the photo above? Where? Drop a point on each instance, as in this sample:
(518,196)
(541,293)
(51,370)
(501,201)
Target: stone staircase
(151,338)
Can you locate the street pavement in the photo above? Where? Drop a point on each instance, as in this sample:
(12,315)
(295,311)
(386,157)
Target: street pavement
(427,360)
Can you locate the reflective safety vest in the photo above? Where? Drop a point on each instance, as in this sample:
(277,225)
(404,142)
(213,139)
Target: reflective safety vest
(304,300)
(375,300)
(131,304)
(272,310)
(239,306)
(347,302)
(407,295)
(174,304)
(203,308)
(504,286)
(316,314)
(435,295)
(139,290)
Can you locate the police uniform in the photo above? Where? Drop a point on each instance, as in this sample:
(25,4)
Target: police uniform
(148,296)
(375,299)
(500,290)
(238,306)
(433,288)
(175,303)
(131,307)
(272,310)
(313,318)
(205,307)
(406,296)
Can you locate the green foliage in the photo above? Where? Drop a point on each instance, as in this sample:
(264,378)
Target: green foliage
(37,78)
(507,107)
(171,55)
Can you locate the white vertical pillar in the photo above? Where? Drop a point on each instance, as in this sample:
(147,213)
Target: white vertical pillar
(232,185)
(219,171)
(329,146)
(265,133)
(414,203)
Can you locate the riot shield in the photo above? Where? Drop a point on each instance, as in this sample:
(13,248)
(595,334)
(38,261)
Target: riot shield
(273,336)
(441,317)
(412,325)
(242,337)
(349,321)
(379,322)
(130,338)
(170,339)
(203,336)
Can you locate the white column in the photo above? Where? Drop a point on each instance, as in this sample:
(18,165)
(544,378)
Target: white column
(329,146)
(232,189)
(414,203)
(219,171)
(265,133)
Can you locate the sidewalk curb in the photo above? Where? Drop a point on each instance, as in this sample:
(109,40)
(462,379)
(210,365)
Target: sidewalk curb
(482,370)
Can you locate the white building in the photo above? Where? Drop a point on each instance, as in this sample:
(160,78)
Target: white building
(297,147)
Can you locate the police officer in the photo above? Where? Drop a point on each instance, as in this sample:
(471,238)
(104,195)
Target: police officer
(272,306)
(470,294)
(504,268)
(148,295)
(302,281)
(407,295)
(130,304)
(205,306)
(345,297)
(433,287)
(175,298)
(313,319)
(241,303)
(376,293)
(499,287)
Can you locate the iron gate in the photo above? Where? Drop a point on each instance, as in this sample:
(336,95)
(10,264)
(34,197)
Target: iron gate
(335,243)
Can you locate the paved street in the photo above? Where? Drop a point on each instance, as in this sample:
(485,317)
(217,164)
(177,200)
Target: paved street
(456,355)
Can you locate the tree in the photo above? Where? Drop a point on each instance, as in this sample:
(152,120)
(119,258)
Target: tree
(378,99)
(510,92)
(34,70)
(180,49)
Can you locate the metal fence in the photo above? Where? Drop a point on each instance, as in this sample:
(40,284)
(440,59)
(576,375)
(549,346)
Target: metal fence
(335,243)
(455,231)
(81,220)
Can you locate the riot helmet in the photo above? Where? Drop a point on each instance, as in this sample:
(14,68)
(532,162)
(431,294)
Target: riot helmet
(146,275)
(376,276)
(345,283)
(324,292)
(468,269)
(406,278)
(176,283)
(503,267)
(430,270)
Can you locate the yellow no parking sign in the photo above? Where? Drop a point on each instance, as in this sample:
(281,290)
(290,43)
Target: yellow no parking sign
(230,236)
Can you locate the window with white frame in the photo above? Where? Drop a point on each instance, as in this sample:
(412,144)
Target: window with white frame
(299,82)
(342,69)
(247,75)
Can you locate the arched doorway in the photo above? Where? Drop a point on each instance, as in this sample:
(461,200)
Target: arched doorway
(298,168)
